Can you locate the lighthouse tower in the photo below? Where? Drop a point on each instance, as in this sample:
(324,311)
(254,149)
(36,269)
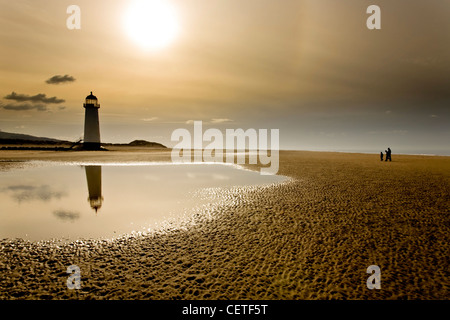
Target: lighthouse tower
(91,123)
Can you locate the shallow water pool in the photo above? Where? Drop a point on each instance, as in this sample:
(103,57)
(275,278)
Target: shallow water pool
(44,201)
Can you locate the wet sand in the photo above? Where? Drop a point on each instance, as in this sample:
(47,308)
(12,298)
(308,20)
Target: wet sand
(310,238)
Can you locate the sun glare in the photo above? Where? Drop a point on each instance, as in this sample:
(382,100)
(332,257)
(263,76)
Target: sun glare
(152,24)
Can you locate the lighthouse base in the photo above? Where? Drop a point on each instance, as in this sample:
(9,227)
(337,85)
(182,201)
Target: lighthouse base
(91,146)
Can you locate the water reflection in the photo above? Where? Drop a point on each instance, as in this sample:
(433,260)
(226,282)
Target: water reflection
(44,193)
(65,215)
(49,201)
(94,182)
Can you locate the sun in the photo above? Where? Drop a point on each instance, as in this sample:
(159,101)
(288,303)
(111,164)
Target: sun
(152,24)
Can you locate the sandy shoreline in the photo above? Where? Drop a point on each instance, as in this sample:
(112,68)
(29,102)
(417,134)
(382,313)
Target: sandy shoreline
(311,238)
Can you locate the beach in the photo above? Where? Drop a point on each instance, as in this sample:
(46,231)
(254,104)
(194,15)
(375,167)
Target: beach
(312,237)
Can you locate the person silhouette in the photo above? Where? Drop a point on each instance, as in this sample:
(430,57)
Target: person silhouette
(381,155)
(388,154)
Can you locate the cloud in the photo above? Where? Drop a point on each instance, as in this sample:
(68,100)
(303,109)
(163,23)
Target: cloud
(150,119)
(66,215)
(25,106)
(214,121)
(220,120)
(60,79)
(24,102)
(41,97)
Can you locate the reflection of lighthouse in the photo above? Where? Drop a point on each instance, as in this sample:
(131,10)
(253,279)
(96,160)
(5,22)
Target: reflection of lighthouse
(91,123)
(94,181)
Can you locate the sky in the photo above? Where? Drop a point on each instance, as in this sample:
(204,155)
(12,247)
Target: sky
(310,68)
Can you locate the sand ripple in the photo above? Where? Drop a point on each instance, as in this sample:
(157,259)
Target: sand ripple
(310,238)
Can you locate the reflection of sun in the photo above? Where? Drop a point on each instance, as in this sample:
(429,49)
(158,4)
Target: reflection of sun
(151,23)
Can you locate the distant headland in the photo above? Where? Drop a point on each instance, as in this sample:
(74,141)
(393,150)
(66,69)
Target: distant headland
(18,141)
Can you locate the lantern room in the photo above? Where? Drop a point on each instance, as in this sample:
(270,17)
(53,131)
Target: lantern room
(91,101)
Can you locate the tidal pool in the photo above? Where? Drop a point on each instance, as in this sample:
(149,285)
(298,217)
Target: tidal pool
(47,201)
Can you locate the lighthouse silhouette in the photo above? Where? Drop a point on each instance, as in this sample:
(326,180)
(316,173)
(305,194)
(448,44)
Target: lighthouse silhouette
(91,123)
(94,182)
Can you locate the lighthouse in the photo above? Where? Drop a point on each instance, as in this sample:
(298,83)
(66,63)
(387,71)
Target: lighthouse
(94,182)
(91,123)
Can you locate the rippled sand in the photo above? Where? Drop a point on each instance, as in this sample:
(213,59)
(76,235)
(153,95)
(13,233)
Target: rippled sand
(310,238)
